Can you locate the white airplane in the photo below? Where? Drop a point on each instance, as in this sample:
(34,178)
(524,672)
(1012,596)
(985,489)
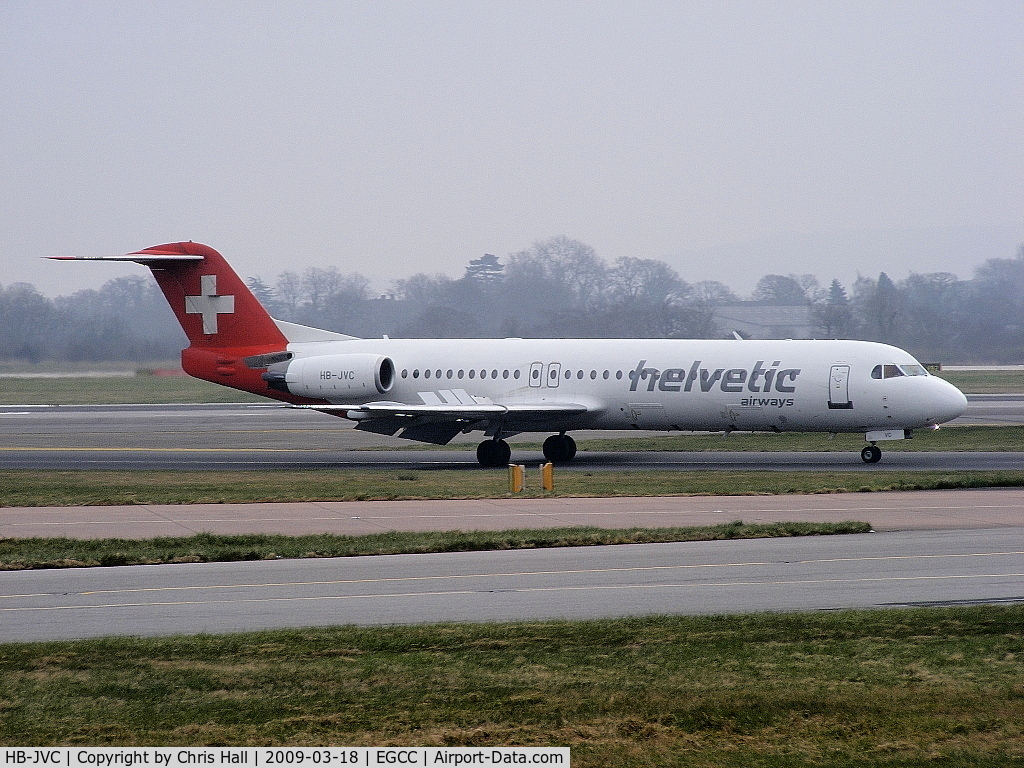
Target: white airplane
(430,390)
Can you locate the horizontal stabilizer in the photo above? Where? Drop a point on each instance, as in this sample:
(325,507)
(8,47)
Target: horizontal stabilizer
(149,259)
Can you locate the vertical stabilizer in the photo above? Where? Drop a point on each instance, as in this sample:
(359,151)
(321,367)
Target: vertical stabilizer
(225,324)
(213,305)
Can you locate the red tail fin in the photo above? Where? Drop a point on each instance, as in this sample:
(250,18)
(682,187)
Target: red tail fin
(225,323)
(215,308)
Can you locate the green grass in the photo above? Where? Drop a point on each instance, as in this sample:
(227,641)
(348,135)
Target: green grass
(119,390)
(23,554)
(885,688)
(985,382)
(30,488)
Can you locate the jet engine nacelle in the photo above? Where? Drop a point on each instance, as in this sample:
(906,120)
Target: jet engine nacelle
(333,376)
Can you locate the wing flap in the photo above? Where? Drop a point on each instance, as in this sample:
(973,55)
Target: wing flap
(438,422)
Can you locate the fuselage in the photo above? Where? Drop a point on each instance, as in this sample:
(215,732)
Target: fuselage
(430,390)
(660,384)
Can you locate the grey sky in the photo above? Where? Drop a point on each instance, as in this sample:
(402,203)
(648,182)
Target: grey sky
(396,137)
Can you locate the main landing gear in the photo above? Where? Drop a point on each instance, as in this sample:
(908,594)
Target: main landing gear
(871,454)
(559,449)
(493,453)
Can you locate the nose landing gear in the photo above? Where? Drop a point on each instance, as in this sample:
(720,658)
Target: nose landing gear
(871,454)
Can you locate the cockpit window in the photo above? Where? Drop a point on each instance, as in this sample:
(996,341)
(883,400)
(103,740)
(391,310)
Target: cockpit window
(892,371)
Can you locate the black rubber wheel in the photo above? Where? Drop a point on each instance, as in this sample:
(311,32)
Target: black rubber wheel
(493,453)
(559,449)
(570,448)
(872,454)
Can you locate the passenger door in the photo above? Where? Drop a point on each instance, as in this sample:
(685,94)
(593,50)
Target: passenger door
(839,388)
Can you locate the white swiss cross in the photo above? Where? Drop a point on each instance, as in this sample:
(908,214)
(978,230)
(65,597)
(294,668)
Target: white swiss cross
(209,304)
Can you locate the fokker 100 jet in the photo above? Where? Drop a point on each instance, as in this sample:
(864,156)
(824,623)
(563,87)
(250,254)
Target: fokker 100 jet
(430,390)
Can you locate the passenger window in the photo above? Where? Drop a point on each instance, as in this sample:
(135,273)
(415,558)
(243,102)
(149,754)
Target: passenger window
(605,374)
(449,373)
(426,374)
(568,374)
(494,373)
(579,374)
(437,373)
(504,374)
(618,374)
(416,373)
(472,373)
(593,375)
(461,373)
(515,374)
(405,373)
(483,374)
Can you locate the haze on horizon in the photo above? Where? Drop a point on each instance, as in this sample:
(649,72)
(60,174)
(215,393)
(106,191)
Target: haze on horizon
(731,139)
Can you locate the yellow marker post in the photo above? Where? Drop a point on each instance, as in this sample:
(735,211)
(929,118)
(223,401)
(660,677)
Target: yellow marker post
(516,478)
(547,475)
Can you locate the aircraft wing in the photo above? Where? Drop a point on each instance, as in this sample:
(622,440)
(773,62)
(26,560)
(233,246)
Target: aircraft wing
(438,422)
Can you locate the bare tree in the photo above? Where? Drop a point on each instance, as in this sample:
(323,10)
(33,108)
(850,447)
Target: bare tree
(712,293)
(289,293)
(779,289)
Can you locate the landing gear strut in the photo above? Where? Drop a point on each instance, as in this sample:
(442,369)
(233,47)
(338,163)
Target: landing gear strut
(493,453)
(871,454)
(559,449)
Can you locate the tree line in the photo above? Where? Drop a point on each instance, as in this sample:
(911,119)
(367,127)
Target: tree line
(558,287)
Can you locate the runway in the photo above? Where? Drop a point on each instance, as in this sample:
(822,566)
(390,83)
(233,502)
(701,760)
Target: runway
(257,437)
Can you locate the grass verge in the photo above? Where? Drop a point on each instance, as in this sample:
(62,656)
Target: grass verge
(22,554)
(30,488)
(129,390)
(985,382)
(882,688)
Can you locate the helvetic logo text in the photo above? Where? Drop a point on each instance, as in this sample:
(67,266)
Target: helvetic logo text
(757,379)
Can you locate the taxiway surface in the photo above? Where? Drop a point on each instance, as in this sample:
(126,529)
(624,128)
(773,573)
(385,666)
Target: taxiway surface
(254,437)
(826,573)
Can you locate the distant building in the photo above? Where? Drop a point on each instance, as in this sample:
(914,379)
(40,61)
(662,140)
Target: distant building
(759,320)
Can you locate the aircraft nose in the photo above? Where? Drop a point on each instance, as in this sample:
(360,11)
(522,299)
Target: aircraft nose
(948,402)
